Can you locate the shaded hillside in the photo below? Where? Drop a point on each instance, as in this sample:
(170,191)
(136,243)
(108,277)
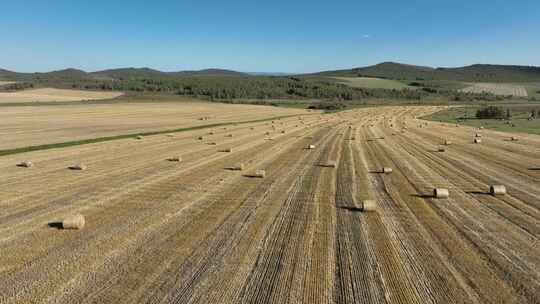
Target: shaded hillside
(112,74)
(209,72)
(490,73)
(389,70)
(135,73)
(473,73)
(127,73)
(10,75)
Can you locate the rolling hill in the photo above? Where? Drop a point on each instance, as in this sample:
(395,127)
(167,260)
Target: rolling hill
(112,74)
(386,70)
(472,73)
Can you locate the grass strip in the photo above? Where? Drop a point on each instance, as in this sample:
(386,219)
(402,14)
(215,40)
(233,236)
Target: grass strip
(131,135)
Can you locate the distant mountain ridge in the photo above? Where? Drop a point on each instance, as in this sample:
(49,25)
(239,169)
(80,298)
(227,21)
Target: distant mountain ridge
(388,70)
(471,73)
(114,74)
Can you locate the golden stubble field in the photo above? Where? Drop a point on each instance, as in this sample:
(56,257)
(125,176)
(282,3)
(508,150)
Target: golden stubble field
(51,95)
(38,125)
(195,232)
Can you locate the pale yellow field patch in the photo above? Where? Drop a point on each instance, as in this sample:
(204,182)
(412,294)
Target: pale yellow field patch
(6,82)
(38,125)
(49,95)
(372,83)
(497,89)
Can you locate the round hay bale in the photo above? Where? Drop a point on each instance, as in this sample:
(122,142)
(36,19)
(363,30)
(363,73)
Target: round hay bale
(441,193)
(260,173)
(447,142)
(310,147)
(26,164)
(477,141)
(441,149)
(478,135)
(74,222)
(513,138)
(497,190)
(200,138)
(139,137)
(387,170)
(369,205)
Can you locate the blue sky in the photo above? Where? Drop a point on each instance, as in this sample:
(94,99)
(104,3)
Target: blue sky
(269,36)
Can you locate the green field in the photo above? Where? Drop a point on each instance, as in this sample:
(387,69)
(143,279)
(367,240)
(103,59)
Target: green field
(373,83)
(533,89)
(518,123)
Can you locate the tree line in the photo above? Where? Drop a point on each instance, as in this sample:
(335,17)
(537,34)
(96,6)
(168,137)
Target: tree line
(238,88)
(222,88)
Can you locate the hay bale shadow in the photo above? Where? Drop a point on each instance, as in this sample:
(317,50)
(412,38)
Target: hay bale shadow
(55,225)
(351,209)
(478,192)
(76,168)
(534,169)
(232,168)
(251,176)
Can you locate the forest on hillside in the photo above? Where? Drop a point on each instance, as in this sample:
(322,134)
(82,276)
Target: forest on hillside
(257,87)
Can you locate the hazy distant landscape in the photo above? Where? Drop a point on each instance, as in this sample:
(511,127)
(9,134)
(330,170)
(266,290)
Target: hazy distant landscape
(392,82)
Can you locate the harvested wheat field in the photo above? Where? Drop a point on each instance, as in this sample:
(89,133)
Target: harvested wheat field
(197,232)
(497,89)
(6,82)
(31,126)
(50,94)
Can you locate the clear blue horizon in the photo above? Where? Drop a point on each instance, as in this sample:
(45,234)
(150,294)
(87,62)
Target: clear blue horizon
(273,36)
